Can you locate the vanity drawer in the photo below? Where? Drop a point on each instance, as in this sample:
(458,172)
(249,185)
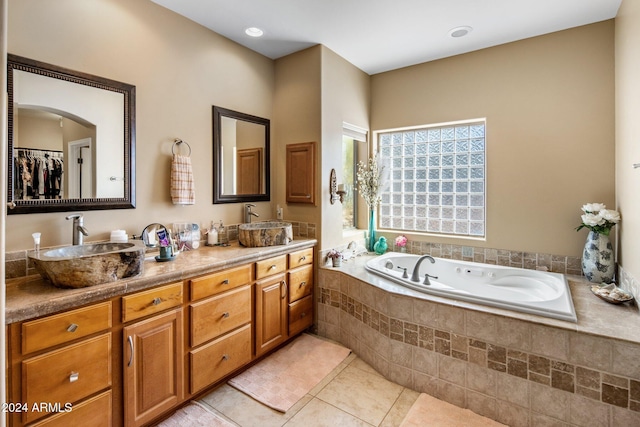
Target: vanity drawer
(215,360)
(94,412)
(222,281)
(68,374)
(302,257)
(271,266)
(144,303)
(61,328)
(300,282)
(220,314)
(300,315)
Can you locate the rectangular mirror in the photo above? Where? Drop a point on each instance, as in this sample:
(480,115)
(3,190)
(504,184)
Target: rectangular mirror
(240,157)
(71,139)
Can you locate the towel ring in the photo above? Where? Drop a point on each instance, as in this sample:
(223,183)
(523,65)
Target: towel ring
(178,141)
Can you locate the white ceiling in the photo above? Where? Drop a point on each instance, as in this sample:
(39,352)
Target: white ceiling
(382,35)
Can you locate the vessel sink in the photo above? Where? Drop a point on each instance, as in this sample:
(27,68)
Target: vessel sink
(81,266)
(268,233)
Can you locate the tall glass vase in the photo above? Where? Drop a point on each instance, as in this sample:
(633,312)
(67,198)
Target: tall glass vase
(371,236)
(598,264)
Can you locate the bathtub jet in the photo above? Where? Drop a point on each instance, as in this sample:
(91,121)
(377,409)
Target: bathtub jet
(527,291)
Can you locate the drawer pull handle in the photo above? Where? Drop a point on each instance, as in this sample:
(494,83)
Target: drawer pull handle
(303,284)
(303,314)
(130,340)
(272,267)
(157,301)
(225,357)
(225,282)
(225,315)
(284,288)
(72,327)
(74,377)
(303,258)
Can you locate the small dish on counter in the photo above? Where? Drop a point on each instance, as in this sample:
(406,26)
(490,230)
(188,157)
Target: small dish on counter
(611,293)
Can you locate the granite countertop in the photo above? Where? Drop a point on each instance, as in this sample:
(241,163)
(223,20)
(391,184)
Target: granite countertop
(595,316)
(31,296)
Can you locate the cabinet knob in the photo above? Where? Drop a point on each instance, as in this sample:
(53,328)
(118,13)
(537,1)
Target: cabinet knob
(303,258)
(225,282)
(156,301)
(303,284)
(225,315)
(72,327)
(225,357)
(272,267)
(74,377)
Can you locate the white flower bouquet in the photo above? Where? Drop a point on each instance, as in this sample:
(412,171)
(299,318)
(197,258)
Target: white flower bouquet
(598,218)
(371,180)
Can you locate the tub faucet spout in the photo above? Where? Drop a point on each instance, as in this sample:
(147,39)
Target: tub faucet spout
(415,276)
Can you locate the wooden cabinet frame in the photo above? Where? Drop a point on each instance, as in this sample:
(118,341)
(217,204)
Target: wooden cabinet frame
(301,173)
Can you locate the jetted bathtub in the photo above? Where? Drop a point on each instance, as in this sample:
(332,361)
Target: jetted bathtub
(528,291)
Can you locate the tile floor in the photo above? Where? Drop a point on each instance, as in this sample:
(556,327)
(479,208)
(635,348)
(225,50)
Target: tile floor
(354,394)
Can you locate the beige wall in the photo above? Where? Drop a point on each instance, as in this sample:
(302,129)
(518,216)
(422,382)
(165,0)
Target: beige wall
(297,113)
(549,105)
(180,70)
(628,134)
(345,98)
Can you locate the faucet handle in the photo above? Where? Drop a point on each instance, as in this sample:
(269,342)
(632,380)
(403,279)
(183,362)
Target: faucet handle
(426,279)
(74,216)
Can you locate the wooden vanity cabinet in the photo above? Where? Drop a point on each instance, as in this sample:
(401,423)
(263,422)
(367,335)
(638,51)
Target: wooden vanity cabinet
(134,358)
(271,313)
(220,325)
(59,363)
(300,304)
(152,353)
(153,369)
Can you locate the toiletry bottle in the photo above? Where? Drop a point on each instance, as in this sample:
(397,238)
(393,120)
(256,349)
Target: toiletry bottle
(36,241)
(212,236)
(222,234)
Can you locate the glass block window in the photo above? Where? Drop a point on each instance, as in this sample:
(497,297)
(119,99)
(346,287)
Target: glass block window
(437,179)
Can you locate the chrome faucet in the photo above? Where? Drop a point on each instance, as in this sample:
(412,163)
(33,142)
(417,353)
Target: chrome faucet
(415,276)
(78,228)
(248,213)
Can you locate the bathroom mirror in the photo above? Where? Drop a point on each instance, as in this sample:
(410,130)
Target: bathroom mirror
(240,157)
(71,140)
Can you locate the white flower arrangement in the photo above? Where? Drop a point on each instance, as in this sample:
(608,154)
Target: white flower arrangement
(598,218)
(371,180)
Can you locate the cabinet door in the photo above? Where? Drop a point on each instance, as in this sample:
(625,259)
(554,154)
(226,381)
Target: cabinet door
(301,173)
(153,367)
(271,313)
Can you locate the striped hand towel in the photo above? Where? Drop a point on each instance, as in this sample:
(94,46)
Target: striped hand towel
(182,186)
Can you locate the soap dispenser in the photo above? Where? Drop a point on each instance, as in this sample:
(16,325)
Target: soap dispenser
(212,235)
(222,234)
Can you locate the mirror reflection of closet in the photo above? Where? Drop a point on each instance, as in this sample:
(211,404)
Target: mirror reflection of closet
(60,155)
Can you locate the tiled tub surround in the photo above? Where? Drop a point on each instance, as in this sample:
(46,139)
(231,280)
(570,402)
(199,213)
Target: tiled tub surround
(519,369)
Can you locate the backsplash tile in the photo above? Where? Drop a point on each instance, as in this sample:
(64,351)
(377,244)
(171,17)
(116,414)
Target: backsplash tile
(17,265)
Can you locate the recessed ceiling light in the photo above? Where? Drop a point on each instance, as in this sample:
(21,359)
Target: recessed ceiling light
(254,32)
(458,32)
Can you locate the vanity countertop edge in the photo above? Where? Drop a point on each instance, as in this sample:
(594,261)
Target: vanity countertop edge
(30,297)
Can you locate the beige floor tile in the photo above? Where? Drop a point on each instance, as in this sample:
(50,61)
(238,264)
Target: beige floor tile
(326,380)
(247,412)
(361,364)
(400,408)
(321,414)
(362,394)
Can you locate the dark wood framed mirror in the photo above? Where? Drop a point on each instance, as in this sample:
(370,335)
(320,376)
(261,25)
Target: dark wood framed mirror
(71,140)
(241,165)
